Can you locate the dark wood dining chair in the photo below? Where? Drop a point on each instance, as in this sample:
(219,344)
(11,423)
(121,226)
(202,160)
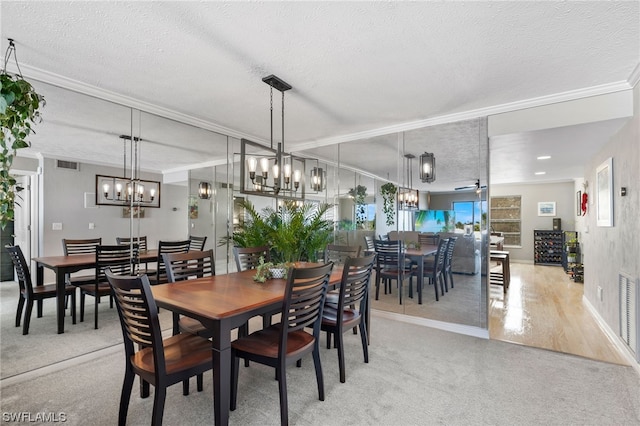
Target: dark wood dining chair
(337,253)
(197,243)
(141,241)
(78,247)
(181,246)
(391,264)
(249,257)
(351,308)
(288,342)
(159,362)
(448,274)
(185,266)
(30,294)
(368,243)
(435,272)
(117,257)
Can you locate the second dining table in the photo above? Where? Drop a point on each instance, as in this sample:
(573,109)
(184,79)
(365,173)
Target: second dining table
(63,265)
(417,255)
(222,303)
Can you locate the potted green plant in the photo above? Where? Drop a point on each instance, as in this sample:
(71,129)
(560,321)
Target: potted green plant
(266,270)
(388,192)
(294,233)
(19,105)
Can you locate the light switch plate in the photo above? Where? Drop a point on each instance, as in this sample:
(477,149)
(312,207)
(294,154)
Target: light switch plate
(56,226)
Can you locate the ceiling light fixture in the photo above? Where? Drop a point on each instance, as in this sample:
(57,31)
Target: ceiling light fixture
(287,170)
(427,167)
(318,177)
(128,190)
(204,190)
(544,157)
(541,173)
(407,196)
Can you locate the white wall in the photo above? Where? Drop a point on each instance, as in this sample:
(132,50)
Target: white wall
(607,251)
(63,193)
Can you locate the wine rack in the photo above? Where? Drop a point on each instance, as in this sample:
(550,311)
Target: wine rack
(548,247)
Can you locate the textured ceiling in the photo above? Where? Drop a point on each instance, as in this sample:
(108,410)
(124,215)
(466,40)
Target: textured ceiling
(355,67)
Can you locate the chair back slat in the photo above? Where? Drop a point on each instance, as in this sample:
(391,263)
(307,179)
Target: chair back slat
(138,314)
(356,277)
(338,253)
(428,239)
(197,243)
(86,246)
(441,254)
(450,247)
(368,241)
(389,253)
(118,258)
(190,265)
(22,270)
(141,241)
(304,300)
(249,257)
(181,246)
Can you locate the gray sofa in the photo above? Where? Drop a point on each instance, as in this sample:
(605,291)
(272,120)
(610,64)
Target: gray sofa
(466,253)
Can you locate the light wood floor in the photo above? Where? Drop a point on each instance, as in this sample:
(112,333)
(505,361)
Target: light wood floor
(543,308)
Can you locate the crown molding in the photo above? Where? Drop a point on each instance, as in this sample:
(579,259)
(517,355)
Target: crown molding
(87,89)
(107,95)
(470,115)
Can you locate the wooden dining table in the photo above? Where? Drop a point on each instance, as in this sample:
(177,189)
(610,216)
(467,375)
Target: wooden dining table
(222,303)
(63,265)
(417,255)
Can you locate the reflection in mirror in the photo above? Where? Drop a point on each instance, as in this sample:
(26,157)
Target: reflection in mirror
(460,149)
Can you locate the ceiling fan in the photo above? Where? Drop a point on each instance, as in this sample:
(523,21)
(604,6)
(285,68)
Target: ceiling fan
(475,186)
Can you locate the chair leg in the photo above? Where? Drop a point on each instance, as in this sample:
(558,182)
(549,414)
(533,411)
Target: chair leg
(39,308)
(282,387)
(365,341)
(21,301)
(199,382)
(82,297)
(73,307)
(125,396)
(185,387)
(435,286)
(144,388)
(235,366)
(328,340)
(160,394)
(95,319)
(176,326)
(378,286)
(340,345)
(27,317)
(451,278)
(318,366)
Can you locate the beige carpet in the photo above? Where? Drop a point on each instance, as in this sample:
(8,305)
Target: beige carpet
(416,376)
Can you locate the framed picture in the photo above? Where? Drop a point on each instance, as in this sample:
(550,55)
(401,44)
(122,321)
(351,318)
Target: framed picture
(578,203)
(547,208)
(193,207)
(604,193)
(138,212)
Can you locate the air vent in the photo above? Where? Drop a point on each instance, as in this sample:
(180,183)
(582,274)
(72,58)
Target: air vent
(629,312)
(69,165)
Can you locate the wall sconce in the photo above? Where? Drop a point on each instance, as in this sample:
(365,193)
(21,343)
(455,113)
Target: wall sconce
(427,167)
(318,179)
(204,190)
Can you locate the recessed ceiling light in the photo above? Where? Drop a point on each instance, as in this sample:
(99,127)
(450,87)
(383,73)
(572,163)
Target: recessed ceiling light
(541,173)
(544,157)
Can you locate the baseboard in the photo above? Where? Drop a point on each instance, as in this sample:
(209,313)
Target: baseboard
(613,337)
(467,330)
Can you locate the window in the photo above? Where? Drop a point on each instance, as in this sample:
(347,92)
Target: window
(505,218)
(470,213)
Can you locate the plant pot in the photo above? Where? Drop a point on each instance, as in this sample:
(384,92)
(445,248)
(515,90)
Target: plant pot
(277,273)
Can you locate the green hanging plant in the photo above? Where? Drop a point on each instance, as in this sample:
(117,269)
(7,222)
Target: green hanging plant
(359,193)
(388,192)
(19,104)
